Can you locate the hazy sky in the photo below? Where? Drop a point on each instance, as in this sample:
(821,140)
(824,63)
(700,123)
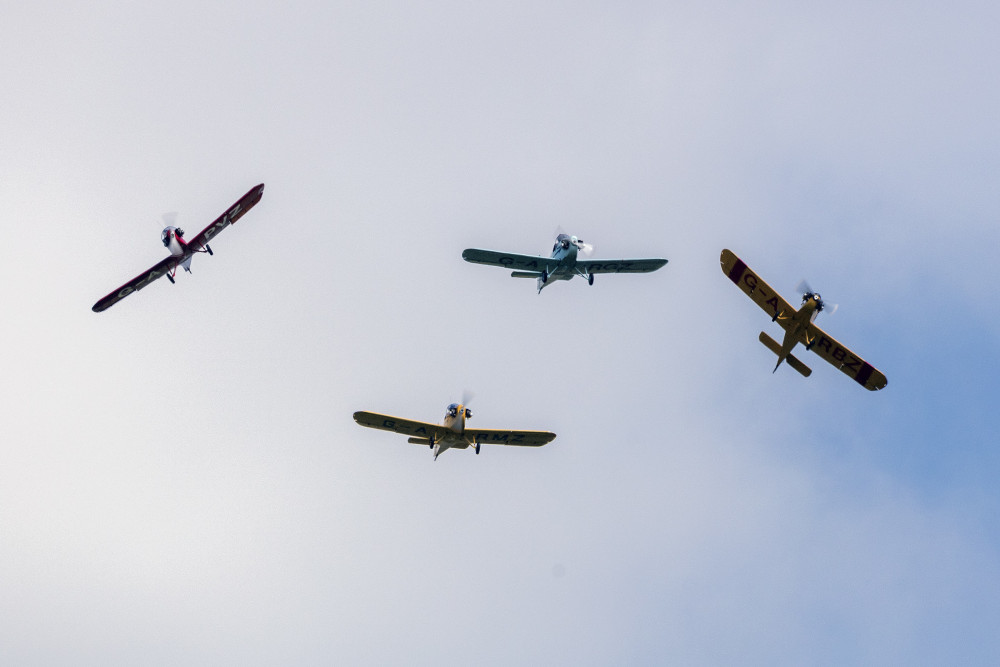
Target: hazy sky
(181,481)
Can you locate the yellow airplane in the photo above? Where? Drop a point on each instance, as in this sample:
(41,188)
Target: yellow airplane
(452,434)
(799,327)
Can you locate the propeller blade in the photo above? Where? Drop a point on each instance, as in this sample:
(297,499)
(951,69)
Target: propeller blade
(830,309)
(170,219)
(467,397)
(585,248)
(803,287)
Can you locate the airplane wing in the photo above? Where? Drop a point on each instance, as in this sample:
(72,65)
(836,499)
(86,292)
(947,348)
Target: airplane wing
(620,265)
(235,212)
(754,287)
(510,260)
(854,366)
(488,436)
(161,269)
(404,426)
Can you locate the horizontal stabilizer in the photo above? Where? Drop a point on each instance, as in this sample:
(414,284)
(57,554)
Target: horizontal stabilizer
(773,345)
(798,365)
(524,274)
(770,343)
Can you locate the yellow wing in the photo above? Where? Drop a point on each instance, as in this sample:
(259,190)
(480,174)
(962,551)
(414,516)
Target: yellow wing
(489,436)
(777,308)
(408,427)
(854,366)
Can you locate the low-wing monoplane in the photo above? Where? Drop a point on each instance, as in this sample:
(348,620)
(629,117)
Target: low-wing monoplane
(452,433)
(181,250)
(562,264)
(799,327)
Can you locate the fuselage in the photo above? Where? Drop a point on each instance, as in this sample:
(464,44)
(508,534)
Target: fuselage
(797,324)
(565,251)
(454,420)
(173,240)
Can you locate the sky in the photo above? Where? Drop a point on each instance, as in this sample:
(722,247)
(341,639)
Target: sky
(181,481)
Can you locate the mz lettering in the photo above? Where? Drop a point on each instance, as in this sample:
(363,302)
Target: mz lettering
(498,437)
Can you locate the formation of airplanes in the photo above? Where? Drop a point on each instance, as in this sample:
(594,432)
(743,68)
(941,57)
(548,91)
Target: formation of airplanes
(564,263)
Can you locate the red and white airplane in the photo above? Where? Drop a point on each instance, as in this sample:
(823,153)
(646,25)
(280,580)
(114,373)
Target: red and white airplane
(181,250)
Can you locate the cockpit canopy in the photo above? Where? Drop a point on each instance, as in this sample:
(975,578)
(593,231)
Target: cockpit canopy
(165,235)
(453,410)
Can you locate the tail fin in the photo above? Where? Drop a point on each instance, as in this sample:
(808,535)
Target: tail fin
(772,345)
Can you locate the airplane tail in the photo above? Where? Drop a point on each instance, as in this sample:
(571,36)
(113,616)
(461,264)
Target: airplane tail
(773,345)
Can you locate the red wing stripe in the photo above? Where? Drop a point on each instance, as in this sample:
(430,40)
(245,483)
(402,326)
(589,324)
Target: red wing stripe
(737,271)
(864,374)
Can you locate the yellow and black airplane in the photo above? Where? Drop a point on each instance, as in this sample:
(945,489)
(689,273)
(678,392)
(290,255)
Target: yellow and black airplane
(799,327)
(453,433)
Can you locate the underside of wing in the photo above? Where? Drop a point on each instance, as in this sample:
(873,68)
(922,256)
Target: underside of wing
(620,265)
(234,213)
(520,263)
(755,288)
(161,269)
(414,429)
(851,364)
(485,436)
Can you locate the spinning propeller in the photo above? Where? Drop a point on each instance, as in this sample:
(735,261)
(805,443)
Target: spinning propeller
(467,397)
(170,220)
(582,247)
(807,293)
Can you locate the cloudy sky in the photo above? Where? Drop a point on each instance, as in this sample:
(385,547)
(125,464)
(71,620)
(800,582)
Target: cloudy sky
(181,481)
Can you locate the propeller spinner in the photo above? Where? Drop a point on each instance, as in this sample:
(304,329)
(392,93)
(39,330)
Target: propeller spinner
(808,294)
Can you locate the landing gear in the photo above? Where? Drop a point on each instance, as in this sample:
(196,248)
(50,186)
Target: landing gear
(170,278)
(208,249)
(477,449)
(545,276)
(590,279)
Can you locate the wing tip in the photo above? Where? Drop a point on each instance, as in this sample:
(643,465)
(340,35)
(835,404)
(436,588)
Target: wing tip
(877,387)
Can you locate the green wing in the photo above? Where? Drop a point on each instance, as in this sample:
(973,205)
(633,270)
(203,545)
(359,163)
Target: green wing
(510,260)
(620,265)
